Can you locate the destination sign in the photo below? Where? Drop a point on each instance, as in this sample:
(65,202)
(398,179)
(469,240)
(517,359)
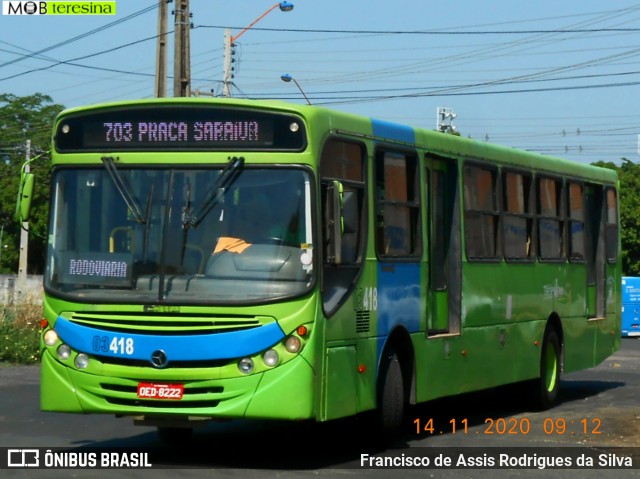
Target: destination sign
(185,132)
(104,269)
(176,127)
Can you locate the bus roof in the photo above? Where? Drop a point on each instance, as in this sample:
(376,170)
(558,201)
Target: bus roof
(435,142)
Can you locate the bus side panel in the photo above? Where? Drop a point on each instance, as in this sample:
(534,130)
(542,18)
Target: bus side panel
(482,357)
(513,293)
(608,338)
(341,389)
(399,302)
(588,342)
(579,346)
(349,355)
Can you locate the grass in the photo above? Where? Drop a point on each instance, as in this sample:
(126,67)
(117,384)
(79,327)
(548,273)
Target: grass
(19,333)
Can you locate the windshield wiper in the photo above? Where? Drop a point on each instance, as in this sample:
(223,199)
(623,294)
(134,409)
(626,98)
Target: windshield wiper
(124,189)
(226,178)
(147,223)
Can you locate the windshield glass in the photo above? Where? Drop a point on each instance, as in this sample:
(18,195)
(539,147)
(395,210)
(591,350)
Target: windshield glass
(182,236)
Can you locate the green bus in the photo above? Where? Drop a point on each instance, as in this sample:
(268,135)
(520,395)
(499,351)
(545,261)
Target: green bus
(223,258)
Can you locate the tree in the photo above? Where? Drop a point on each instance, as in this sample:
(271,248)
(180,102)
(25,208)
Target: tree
(629,204)
(21,119)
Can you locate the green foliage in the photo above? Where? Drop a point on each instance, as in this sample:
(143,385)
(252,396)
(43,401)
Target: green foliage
(21,119)
(19,333)
(629,174)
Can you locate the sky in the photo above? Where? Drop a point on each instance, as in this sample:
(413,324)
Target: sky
(560,78)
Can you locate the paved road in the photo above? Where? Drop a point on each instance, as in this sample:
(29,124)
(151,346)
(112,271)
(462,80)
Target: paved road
(598,408)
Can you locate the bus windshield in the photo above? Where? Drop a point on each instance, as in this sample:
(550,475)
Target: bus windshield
(181,236)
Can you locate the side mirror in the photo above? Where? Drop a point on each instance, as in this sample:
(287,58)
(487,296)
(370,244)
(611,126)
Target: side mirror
(25,193)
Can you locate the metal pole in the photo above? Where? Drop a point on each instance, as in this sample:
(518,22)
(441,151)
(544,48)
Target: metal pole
(226,88)
(230,39)
(301,90)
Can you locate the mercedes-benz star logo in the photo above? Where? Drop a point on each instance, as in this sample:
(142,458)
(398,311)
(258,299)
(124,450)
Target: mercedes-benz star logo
(159,358)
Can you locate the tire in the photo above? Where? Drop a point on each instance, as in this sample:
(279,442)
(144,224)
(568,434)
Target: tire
(391,397)
(548,384)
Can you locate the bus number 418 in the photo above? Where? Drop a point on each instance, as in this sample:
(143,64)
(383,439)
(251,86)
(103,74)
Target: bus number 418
(116,345)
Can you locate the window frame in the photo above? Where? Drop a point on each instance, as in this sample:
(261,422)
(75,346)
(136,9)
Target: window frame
(611,244)
(571,220)
(412,203)
(338,280)
(495,212)
(559,217)
(528,214)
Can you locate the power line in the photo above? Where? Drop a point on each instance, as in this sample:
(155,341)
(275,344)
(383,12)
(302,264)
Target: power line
(81,36)
(84,57)
(430,32)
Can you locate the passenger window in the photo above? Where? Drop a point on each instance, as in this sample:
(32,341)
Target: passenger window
(550,219)
(612,226)
(481,215)
(518,216)
(397,205)
(576,222)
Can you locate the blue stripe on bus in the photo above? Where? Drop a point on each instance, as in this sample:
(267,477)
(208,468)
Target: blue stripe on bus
(190,347)
(398,299)
(393,131)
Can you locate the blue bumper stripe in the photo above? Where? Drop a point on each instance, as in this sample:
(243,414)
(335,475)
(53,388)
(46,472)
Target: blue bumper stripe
(193,347)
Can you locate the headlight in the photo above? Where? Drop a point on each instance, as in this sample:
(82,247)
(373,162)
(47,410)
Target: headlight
(293,344)
(64,352)
(271,358)
(50,337)
(81,361)
(245,365)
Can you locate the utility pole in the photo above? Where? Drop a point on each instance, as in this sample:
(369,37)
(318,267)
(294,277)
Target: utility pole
(229,41)
(24,239)
(161,55)
(182,54)
(226,89)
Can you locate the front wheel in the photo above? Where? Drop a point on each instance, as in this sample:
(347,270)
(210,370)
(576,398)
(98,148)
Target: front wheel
(391,396)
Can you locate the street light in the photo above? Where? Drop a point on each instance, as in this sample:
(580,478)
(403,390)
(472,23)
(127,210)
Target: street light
(230,39)
(288,78)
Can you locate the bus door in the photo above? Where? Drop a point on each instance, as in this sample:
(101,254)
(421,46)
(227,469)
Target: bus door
(595,250)
(443,304)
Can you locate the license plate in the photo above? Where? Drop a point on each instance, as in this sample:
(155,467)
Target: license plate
(160,391)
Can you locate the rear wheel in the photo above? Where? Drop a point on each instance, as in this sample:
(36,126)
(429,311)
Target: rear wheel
(548,384)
